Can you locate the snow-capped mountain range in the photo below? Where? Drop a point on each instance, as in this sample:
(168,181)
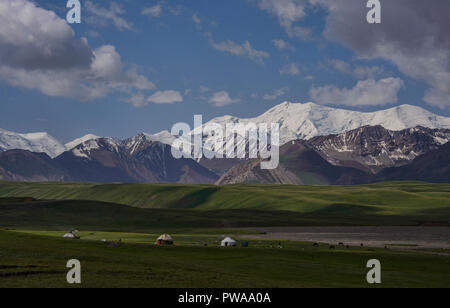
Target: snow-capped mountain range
(305,121)
(297,121)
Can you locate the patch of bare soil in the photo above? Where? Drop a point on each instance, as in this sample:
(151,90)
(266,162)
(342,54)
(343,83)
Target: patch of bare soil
(378,237)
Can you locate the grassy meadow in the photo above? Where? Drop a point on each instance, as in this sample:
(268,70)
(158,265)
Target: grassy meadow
(38,259)
(34,216)
(400,203)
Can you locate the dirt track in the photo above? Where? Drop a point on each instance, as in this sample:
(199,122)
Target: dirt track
(417,237)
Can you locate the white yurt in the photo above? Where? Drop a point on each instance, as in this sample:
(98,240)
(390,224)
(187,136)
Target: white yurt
(69,235)
(228,242)
(72,235)
(164,239)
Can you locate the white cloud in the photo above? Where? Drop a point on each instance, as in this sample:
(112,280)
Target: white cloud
(166,97)
(93,34)
(283,45)
(288,12)
(153,11)
(419,49)
(160,97)
(204,89)
(176,9)
(365,93)
(54,61)
(137,100)
(290,69)
(341,66)
(359,72)
(196,19)
(276,94)
(102,16)
(413,35)
(222,98)
(245,49)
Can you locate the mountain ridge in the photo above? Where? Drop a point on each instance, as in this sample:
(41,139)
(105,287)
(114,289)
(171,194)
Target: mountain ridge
(371,148)
(297,121)
(305,121)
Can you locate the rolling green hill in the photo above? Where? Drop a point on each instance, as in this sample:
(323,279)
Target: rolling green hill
(147,205)
(387,198)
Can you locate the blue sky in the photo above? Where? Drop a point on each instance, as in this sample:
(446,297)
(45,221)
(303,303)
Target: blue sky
(219,57)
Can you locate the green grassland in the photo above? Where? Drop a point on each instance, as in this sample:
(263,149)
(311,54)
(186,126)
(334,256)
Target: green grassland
(389,198)
(147,207)
(39,259)
(34,216)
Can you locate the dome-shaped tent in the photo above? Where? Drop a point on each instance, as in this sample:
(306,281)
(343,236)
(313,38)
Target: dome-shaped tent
(72,235)
(164,239)
(228,242)
(69,235)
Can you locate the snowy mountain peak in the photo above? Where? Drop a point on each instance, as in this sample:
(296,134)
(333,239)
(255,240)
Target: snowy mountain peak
(308,120)
(84,150)
(76,142)
(164,137)
(297,121)
(33,142)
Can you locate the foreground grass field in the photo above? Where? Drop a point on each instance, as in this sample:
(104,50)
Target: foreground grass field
(39,260)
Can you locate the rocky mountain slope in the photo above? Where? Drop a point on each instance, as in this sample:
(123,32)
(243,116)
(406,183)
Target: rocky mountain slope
(431,167)
(157,157)
(331,146)
(299,165)
(23,165)
(372,148)
(106,160)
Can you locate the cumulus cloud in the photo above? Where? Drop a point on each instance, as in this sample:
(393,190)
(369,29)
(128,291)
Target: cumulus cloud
(276,94)
(153,11)
(359,72)
(31,38)
(137,100)
(289,12)
(204,89)
(365,93)
(283,45)
(413,35)
(341,66)
(222,98)
(38,50)
(196,19)
(290,69)
(166,97)
(103,16)
(245,49)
